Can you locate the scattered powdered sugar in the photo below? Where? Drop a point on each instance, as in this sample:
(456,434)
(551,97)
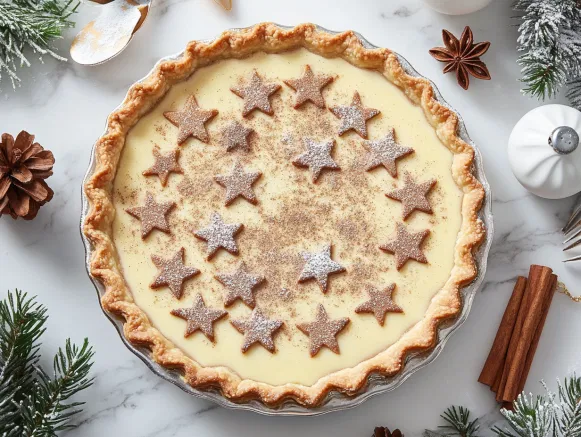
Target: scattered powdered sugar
(256,95)
(354,117)
(235,135)
(385,152)
(219,234)
(319,266)
(240,285)
(199,317)
(257,329)
(317,157)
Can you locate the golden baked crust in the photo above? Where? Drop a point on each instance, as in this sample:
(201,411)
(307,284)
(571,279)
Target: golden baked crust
(270,38)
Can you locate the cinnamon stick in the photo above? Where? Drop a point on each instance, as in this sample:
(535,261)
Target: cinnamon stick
(528,320)
(538,332)
(491,372)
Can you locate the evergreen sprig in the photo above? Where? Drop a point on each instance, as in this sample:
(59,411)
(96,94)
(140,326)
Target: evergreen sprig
(31,25)
(555,415)
(550,42)
(22,324)
(458,424)
(33,403)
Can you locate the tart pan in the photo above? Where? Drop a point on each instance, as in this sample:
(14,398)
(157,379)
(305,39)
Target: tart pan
(377,384)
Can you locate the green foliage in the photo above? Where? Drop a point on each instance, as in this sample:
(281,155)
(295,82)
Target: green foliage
(549,415)
(22,324)
(458,424)
(30,25)
(32,403)
(569,422)
(532,416)
(550,42)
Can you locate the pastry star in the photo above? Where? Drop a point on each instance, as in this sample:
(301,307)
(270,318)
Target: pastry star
(317,157)
(152,215)
(354,116)
(240,285)
(164,165)
(308,88)
(319,266)
(256,94)
(257,329)
(413,196)
(199,317)
(219,235)
(385,152)
(236,135)
(191,120)
(172,272)
(405,246)
(238,184)
(380,303)
(323,331)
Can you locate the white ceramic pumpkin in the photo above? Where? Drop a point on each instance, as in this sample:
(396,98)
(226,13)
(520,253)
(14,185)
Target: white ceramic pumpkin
(543,151)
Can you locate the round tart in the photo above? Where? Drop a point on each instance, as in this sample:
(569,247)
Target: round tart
(279,213)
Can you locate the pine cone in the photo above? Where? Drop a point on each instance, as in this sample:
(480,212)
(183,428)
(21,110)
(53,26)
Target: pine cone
(382,431)
(24,165)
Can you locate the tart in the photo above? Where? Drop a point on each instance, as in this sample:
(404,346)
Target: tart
(282,212)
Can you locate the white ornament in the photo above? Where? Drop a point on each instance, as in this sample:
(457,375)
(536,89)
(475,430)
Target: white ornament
(457,7)
(543,151)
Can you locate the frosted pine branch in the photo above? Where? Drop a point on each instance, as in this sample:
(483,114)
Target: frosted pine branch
(550,42)
(30,26)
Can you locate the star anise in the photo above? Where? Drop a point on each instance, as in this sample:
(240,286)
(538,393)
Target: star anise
(462,56)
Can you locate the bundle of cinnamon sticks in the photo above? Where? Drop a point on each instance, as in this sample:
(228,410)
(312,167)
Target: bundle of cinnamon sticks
(512,352)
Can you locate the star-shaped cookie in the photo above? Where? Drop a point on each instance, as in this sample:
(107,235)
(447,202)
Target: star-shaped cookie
(257,329)
(355,116)
(413,196)
(309,88)
(164,165)
(199,317)
(240,285)
(405,246)
(256,94)
(380,303)
(239,184)
(172,272)
(317,157)
(385,152)
(191,120)
(152,215)
(319,266)
(323,331)
(219,235)
(235,135)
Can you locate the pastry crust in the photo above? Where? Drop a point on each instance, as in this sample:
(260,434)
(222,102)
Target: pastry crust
(270,38)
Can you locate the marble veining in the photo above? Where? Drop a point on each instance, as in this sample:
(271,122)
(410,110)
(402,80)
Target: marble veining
(65,106)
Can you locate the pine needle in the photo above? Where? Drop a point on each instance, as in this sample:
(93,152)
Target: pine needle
(30,25)
(32,403)
(550,42)
(549,415)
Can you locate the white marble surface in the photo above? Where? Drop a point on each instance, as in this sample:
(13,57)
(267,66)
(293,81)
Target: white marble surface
(65,105)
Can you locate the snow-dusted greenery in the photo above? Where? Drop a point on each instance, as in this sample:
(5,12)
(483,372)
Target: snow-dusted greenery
(554,414)
(550,42)
(32,403)
(30,25)
(550,415)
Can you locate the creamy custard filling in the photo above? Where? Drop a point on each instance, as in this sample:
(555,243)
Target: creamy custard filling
(347,208)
